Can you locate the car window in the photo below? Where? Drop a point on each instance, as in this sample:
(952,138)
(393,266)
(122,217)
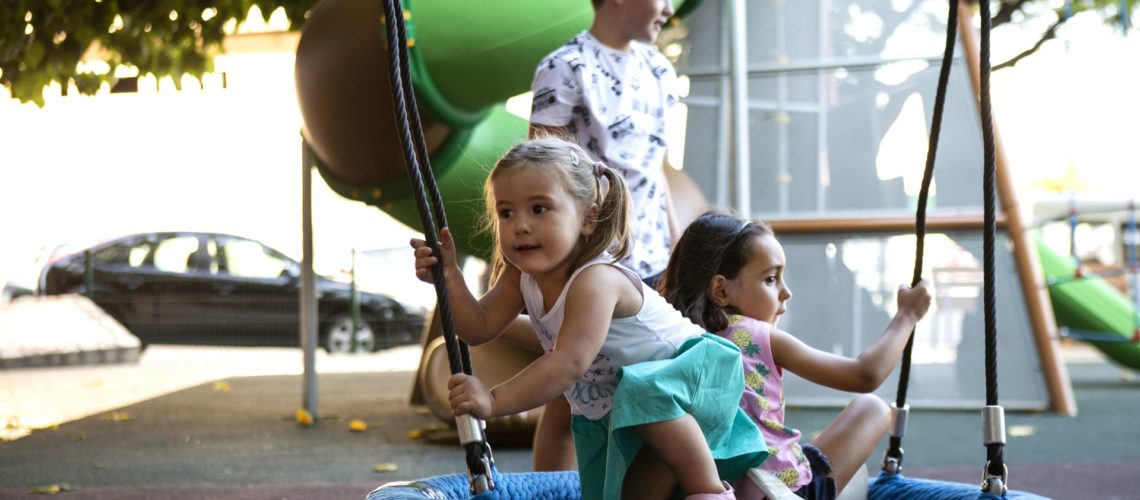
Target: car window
(250,259)
(117,253)
(138,253)
(132,253)
(218,264)
(173,255)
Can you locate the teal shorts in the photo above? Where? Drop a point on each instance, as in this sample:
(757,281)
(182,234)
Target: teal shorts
(705,380)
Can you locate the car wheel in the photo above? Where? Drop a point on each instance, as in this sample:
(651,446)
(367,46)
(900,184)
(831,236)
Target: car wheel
(339,336)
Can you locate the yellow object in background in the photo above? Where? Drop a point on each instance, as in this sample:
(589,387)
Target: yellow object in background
(304,417)
(388,467)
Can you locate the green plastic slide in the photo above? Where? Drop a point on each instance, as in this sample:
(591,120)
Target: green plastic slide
(466,58)
(1092,308)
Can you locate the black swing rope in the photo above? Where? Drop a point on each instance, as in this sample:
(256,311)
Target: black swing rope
(892,460)
(432,216)
(994,427)
(993,420)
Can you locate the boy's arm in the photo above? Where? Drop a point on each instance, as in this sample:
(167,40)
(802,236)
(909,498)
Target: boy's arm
(590,305)
(670,213)
(552,101)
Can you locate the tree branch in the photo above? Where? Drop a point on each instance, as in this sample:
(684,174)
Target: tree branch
(1005,12)
(1049,34)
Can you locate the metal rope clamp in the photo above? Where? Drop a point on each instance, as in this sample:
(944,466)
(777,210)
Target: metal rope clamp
(993,432)
(893,464)
(472,432)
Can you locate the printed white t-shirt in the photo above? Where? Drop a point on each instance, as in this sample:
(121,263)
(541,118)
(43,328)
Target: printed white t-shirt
(615,104)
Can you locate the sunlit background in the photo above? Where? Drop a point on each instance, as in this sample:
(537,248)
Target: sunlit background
(223,154)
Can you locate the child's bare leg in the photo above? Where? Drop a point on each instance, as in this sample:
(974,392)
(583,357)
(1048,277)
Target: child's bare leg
(553,442)
(648,477)
(852,436)
(681,445)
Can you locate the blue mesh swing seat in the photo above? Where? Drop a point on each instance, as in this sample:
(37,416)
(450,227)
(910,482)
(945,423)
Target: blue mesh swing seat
(515,485)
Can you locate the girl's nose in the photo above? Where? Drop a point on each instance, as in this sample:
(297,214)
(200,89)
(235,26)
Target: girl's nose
(785,293)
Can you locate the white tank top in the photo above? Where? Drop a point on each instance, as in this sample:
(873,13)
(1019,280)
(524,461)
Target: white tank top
(655,332)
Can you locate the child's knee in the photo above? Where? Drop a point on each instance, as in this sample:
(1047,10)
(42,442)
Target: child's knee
(873,407)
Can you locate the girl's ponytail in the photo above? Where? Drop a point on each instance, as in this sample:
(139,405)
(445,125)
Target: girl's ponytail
(611,224)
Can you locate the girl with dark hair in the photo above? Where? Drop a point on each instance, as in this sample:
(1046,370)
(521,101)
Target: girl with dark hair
(727,275)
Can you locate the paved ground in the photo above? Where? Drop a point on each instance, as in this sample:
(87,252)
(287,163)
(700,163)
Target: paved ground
(218,423)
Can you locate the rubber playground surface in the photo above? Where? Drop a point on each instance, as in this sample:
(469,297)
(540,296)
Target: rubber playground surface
(236,437)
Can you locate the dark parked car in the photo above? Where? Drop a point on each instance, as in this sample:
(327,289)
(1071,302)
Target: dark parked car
(218,289)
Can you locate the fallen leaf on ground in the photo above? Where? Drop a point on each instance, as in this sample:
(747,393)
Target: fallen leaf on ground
(222,386)
(357,425)
(1022,430)
(388,467)
(303,417)
(50,489)
(118,416)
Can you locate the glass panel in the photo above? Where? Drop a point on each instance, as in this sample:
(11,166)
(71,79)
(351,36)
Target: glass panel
(701,47)
(797,32)
(844,295)
(865,149)
(701,149)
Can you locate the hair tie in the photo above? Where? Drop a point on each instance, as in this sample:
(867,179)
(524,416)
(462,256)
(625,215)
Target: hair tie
(601,183)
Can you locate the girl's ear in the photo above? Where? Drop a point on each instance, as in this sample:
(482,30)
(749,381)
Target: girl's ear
(590,220)
(716,290)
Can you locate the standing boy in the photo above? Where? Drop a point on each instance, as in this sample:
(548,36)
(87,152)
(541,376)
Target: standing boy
(610,90)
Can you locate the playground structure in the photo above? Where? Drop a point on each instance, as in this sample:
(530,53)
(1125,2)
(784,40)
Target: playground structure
(1096,305)
(1027,316)
(464,65)
(831,209)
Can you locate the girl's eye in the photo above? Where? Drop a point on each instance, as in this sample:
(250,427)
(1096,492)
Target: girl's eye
(539,209)
(505,213)
(771,280)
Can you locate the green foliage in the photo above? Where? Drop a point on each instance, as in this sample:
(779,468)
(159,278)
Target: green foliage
(44,41)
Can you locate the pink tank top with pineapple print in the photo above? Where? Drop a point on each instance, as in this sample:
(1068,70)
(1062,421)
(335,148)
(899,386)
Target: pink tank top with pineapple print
(763,400)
